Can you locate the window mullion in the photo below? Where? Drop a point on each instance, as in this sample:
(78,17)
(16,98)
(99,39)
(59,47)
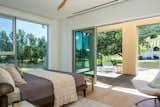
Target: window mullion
(14,40)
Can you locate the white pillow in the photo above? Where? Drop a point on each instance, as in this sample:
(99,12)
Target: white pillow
(155,83)
(15,74)
(5,77)
(14,96)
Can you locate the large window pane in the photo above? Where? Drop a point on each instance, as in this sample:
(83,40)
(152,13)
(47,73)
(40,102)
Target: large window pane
(149,47)
(109,51)
(31,44)
(6,34)
(82,50)
(84,54)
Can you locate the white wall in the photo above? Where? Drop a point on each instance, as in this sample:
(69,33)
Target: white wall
(53,32)
(129,10)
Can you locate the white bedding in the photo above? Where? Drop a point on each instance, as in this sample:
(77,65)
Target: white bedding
(64,86)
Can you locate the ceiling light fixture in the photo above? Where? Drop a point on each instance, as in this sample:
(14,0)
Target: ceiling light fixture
(62,4)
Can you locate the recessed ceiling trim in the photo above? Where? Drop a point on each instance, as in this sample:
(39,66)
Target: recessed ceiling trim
(95,8)
(98,6)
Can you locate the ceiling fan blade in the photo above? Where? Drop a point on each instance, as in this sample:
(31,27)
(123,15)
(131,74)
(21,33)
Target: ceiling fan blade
(62,4)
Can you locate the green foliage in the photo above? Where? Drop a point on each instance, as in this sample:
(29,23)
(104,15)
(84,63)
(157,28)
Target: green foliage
(6,41)
(99,62)
(6,58)
(30,49)
(151,31)
(108,44)
(116,62)
(148,31)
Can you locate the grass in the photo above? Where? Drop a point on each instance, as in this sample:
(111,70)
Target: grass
(31,67)
(141,51)
(82,64)
(149,64)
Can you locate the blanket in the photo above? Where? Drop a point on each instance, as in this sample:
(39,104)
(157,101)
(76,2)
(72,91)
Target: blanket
(64,86)
(38,91)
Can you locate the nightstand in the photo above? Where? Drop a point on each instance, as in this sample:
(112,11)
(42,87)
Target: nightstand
(89,79)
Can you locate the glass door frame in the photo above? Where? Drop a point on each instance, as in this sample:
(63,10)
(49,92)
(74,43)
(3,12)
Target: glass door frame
(94,49)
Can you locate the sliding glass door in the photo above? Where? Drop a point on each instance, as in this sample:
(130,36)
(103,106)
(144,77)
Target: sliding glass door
(84,51)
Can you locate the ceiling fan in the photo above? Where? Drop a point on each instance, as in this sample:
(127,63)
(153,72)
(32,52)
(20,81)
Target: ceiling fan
(62,4)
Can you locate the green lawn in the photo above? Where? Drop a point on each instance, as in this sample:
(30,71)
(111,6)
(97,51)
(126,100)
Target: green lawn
(142,63)
(31,67)
(149,63)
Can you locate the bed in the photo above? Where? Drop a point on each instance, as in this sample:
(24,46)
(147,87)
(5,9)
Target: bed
(41,89)
(46,96)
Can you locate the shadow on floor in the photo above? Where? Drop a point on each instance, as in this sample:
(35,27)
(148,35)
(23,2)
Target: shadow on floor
(121,80)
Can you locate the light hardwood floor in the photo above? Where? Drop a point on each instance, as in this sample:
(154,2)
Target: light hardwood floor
(118,92)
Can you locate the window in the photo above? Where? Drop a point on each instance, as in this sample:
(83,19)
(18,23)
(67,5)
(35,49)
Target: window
(109,51)
(31,39)
(23,43)
(84,51)
(7,40)
(148,47)
(6,35)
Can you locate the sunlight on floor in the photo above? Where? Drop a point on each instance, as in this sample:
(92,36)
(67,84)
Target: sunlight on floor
(130,91)
(109,74)
(121,89)
(102,85)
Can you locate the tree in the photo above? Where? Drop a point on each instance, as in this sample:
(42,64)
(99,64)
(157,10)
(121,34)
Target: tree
(109,43)
(6,44)
(42,48)
(30,48)
(148,31)
(6,41)
(33,53)
(21,41)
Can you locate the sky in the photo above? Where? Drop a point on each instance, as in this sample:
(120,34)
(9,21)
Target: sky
(29,27)
(6,25)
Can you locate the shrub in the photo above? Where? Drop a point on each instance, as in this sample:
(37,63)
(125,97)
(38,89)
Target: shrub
(116,62)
